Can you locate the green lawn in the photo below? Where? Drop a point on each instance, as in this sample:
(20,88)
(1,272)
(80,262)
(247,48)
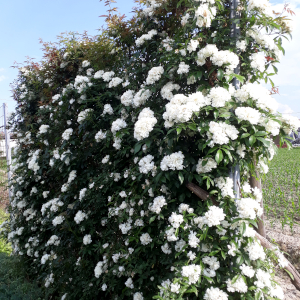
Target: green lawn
(281,188)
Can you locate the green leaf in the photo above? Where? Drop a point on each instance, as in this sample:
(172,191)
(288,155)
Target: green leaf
(179,130)
(181,177)
(193,289)
(265,142)
(192,126)
(244,135)
(152,219)
(223,255)
(219,156)
(228,154)
(137,148)
(252,140)
(220,74)
(260,133)
(240,260)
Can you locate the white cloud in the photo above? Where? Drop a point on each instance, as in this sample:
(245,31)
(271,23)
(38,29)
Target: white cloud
(2,78)
(1,69)
(285,109)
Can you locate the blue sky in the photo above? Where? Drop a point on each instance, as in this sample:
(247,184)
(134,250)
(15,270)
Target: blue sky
(22,23)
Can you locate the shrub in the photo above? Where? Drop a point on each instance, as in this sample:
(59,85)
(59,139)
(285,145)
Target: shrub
(111,129)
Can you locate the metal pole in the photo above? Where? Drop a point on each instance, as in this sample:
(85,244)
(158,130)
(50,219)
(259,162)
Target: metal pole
(7,149)
(234,172)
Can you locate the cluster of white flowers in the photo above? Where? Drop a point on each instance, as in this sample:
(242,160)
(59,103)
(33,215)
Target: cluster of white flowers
(67,134)
(43,129)
(175,220)
(145,239)
(290,123)
(32,161)
(263,39)
(225,185)
(172,162)
(54,205)
(127,98)
(141,97)
(183,68)
(54,240)
(100,135)
(107,76)
(87,239)
(84,114)
(58,220)
(218,58)
(259,94)
(205,13)
(157,204)
(221,133)
(248,208)
(247,270)
(248,114)
(107,109)
(118,125)
(181,108)
(146,164)
(166,91)
(219,96)
(263,6)
(82,82)
(154,75)
(214,294)
(258,61)
(238,286)
(206,165)
(80,216)
(145,37)
(101,267)
(255,251)
(145,123)
(115,82)
(149,10)
(192,272)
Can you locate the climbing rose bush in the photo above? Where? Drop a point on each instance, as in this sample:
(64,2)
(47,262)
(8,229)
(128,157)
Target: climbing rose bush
(111,129)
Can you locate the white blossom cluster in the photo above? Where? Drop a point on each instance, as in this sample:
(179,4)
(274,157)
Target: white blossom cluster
(172,162)
(221,133)
(145,124)
(181,108)
(166,91)
(154,75)
(67,134)
(218,58)
(84,114)
(145,37)
(206,165)
(248,114)
(157,204)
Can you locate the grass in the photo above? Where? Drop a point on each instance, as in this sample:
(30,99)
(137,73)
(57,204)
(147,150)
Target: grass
(281,188)
(14,284)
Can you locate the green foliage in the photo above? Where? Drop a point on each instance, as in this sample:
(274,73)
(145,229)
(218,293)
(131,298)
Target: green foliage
(281,188)
(14,284)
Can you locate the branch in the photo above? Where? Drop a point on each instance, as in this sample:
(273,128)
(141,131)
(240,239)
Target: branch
(203,195)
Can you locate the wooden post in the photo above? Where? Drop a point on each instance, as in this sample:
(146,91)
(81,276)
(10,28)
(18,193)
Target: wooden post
(255,182)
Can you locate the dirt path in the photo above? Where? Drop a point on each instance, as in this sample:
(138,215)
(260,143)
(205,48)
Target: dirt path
(288,242)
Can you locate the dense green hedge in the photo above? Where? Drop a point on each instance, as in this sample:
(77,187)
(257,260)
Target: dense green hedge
(111,129)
